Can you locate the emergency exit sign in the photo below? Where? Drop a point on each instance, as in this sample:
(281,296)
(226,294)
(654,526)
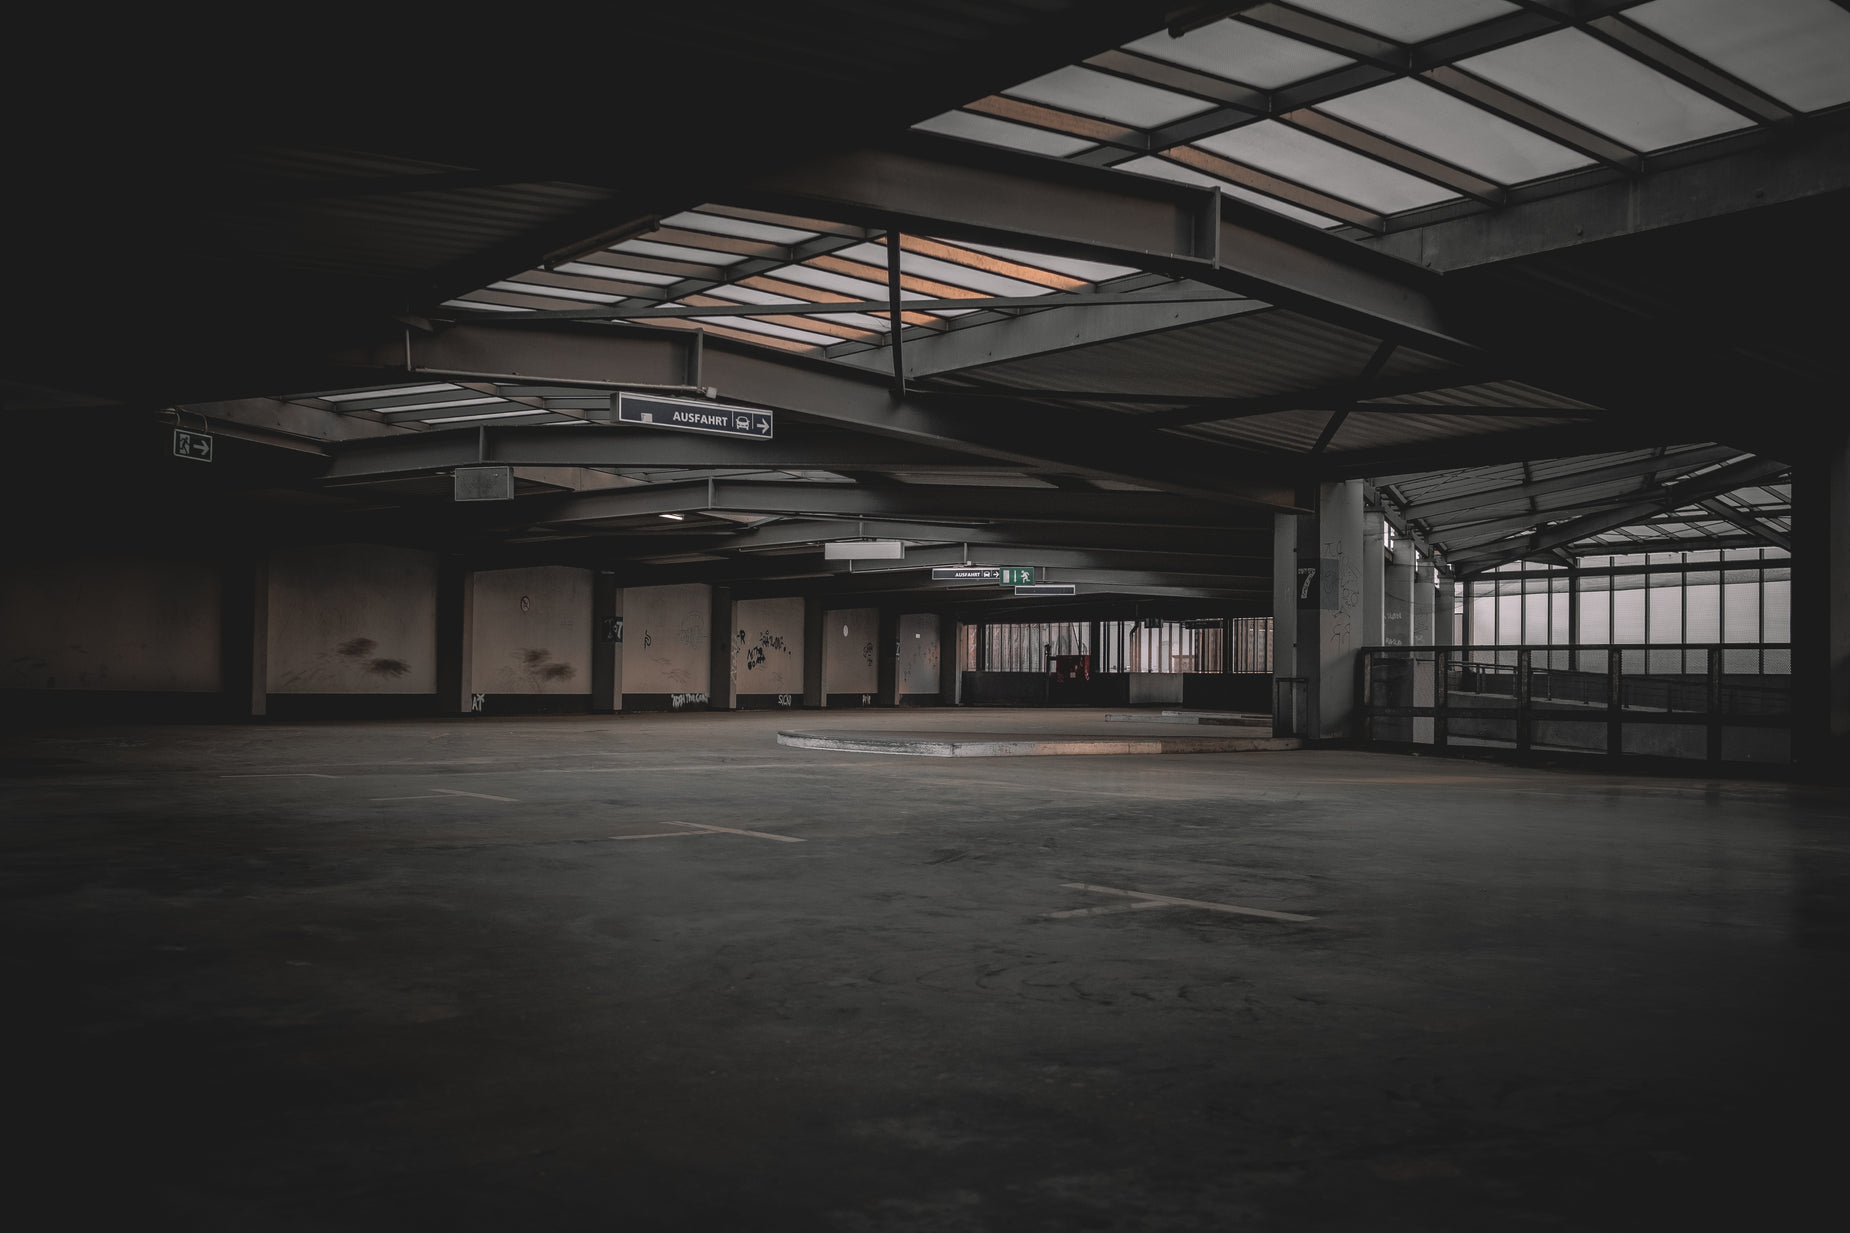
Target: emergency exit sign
(1016,576)
(194,445)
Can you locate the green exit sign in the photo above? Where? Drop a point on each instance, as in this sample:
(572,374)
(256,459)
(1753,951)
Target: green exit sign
(1016,576)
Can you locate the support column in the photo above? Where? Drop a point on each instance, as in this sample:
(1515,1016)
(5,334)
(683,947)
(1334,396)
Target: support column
(950,639)
(1425,580)
(1821,610)
(1286,585)
(1374,561)
(722,690)
(886,658)
(455,636)
(1317,571)
(1445,608)
(812,652)
(1397,597)
(606,643)
(244,634)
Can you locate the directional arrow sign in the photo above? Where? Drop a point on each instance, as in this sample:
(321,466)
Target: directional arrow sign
(689,415)
(194,445)
(969,573)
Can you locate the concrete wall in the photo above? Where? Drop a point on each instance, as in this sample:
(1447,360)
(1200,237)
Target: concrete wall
(917,670)
(1155,688)
(666,640)
(531,631)
(110,624)
(352,619)
(767,646)
(849,652)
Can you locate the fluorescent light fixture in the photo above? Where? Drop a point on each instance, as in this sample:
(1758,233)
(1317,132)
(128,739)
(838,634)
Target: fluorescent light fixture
(865,550)
(673,517)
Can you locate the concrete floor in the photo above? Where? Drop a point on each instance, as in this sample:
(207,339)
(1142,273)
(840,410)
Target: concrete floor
(473,975)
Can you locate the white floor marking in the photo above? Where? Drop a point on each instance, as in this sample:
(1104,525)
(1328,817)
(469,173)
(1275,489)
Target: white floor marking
(1110,910)
(657,835)
(701,826)
(438,794)
(1172,901)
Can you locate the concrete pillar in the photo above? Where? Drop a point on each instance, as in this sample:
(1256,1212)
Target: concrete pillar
(812,652)
(950,640)
(1445,609)
(1397,597)
(1425,578)
(723,692)
(455,636)
(244,634)
(1374,560)
(606,643)
(1821,610)
(886,664)
(1317,572)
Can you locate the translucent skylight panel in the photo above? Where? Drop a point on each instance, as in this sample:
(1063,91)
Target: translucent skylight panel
(1605,89)
(1408,21)
(1162,169)
(1446,127)
(752,295)
(491,415)
(1798,51)
(1091,271)
(991,131)
(1110,98)
(945,271)
(740,228)
(756,326)
(394,391)
(420,408)
(562,293)
(1317,164)
(841,284)
(622,275)
(1242,53)
(676,252)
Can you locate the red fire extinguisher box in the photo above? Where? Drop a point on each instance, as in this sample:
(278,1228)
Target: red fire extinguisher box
(1072,668)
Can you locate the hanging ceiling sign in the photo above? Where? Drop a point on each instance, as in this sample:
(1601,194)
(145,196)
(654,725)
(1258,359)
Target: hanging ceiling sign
(690,415)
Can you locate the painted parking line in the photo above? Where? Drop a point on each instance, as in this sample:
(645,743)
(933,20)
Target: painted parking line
(1108,910)
(657,835)
(729,830)
(437,794)
(1172,901)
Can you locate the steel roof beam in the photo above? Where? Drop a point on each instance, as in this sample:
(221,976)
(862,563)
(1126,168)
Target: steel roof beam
(1093,444)
(1252,542)
(955,189)
(1149,509)
(1753,526)
(796,447)
(1689,491)
(1686,459)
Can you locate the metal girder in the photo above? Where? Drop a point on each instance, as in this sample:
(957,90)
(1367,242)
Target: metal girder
(1151,509)
(1685,459)
(955,189)
(1094,444)
(1252,541)
(1074,558)
(1057,326)
(665,312)
(919,588)
(1687,492)
(1753,526)
(798,447)
(1322,398)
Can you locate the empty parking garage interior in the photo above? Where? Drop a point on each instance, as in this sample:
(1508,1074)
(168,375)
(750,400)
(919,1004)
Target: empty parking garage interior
(935,618)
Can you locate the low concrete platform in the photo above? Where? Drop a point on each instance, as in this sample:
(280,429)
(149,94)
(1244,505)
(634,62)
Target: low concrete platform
(1227,719)
(953,733)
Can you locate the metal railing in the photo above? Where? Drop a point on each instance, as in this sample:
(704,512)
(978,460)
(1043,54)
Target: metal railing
(1684,700)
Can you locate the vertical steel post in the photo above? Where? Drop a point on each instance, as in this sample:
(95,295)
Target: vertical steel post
(1441,665)
(1714,704)
(898,326)
(1523,739)
(1615,701)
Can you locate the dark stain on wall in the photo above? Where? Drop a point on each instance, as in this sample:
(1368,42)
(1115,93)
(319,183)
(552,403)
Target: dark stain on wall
(388,667)
(358,648)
